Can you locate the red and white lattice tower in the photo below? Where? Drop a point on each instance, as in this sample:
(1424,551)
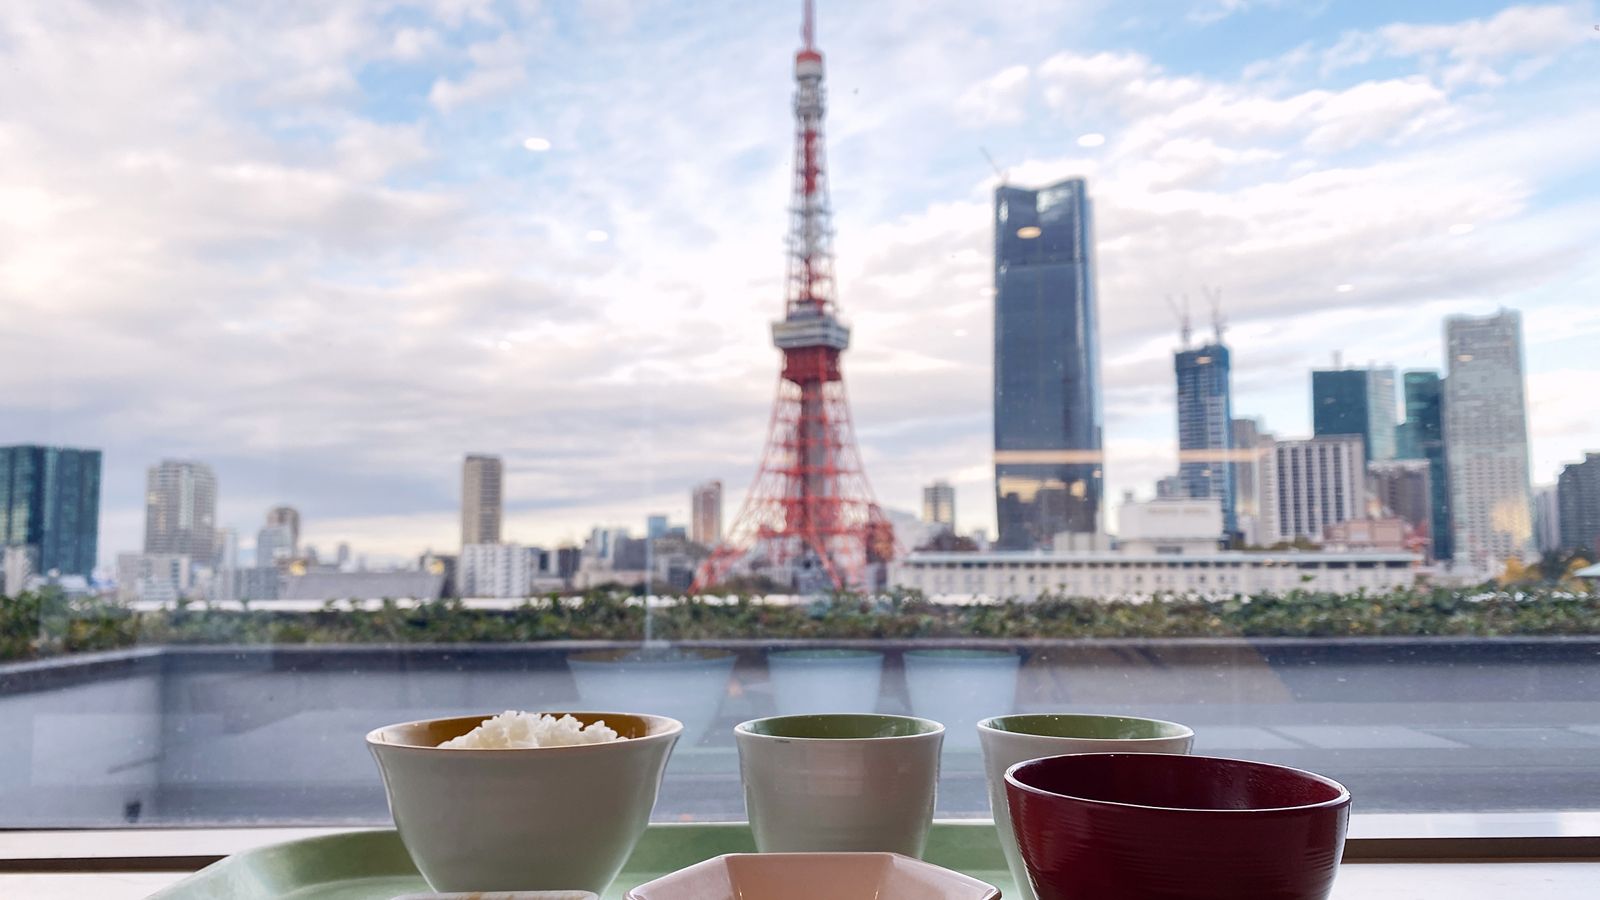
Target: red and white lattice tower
(809,519)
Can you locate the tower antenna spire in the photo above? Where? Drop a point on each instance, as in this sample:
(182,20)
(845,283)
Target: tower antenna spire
(808,30)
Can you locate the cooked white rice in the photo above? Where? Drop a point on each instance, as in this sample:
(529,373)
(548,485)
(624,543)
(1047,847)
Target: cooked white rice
(520,730)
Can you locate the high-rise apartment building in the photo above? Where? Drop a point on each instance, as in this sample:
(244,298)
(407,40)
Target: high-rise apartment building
(939,504)
(1205,428)
(1421,436)
(705,513)
(180,510)
(1047,416)
(1486,440)
(1578,504)
(1307,485)
(482,500)
(1356,401)
(50,501)
(288,517)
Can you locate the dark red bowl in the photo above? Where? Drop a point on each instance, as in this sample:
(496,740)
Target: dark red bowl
(1155,826)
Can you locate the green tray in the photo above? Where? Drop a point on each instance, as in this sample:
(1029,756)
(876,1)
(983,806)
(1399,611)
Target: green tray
(373,865)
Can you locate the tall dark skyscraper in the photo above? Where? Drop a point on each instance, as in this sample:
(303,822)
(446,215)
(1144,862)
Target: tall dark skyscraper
(1355,401)
(1578,504)
(50,500)
(1047,425)
(1421,436)
(1205,427)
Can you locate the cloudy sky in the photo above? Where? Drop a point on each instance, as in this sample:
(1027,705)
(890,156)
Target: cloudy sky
(308,243)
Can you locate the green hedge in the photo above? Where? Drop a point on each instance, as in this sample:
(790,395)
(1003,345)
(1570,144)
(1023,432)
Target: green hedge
(35,625)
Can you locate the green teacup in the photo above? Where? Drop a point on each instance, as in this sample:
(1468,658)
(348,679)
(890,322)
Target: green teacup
(1008,740)
(840,782)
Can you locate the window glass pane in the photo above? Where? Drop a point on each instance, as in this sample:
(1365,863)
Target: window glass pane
(369,361)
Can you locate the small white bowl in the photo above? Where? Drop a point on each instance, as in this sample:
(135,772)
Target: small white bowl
(504,895)
(546,818)
(810,876)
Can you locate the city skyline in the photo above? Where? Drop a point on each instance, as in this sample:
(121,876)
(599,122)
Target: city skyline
(411,303)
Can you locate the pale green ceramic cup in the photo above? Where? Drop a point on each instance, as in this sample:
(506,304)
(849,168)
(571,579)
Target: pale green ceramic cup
(840,782)
(1008,740)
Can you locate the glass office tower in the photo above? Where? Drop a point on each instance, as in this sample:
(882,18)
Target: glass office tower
(1356,401)
(1421,436)
(50,500)
(1205,427)
(1047,424)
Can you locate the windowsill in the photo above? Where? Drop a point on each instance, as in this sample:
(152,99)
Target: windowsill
(1373,838)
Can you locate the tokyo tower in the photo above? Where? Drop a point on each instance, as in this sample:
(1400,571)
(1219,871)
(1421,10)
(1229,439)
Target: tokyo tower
(809,520)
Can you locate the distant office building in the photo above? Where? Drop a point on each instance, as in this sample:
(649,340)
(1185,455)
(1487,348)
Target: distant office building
(227,548)
(655,527)
(705,513)
(939,504)
(1308,485)
(1356,401)
(19,564)
(1486,440)
(288,517)
(274,544)
(446,565)
(393,584)
(1205,427)
(50,501)
(341,555)
(1421,436)
(1250,445)
(499,570)
(180,510)
(1546,519)
(1047,415)
(259,582)
(1170,487)
(1387,534)
(482,500)
(568,559)
(1403,489)
(154,577)
(1578,500)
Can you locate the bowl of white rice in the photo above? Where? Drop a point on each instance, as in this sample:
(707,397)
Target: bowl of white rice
(529,801)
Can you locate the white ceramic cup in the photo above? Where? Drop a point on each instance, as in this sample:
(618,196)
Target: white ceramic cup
(1008,740)
(543,819)
(840,782)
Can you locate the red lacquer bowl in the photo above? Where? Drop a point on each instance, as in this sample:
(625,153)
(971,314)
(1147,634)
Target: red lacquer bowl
(1154,826)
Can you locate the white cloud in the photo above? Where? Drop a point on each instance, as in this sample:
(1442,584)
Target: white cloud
(1472,52)
(997,100)
(497,68)
(413,44)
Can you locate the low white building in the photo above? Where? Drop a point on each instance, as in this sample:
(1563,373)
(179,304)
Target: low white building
(1028,575)
(1170,525)
(501,570)
(154,577)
